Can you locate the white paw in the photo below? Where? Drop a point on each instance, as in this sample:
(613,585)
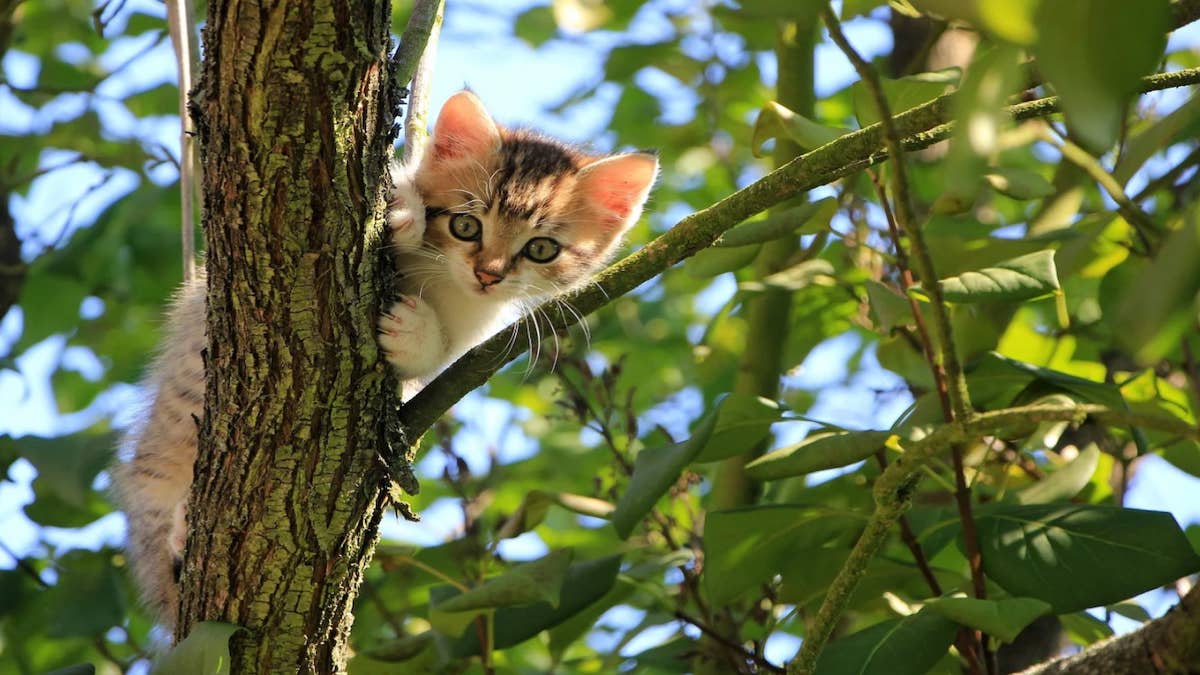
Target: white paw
(411,338)
(405,210)
(177,538)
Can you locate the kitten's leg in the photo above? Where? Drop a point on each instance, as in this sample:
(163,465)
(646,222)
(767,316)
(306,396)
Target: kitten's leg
(406,210)
(411,337)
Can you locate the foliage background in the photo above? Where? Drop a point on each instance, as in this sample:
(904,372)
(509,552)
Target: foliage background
(87,171)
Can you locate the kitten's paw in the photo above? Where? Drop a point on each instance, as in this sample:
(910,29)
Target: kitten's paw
(411,337)
(405,210)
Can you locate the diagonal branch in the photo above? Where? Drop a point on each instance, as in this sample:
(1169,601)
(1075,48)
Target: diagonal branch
(920,127)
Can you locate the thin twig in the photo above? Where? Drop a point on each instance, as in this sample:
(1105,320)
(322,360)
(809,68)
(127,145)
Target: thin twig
(947,370)
(180,24)
(416,123)
(1142,224)
(739,649)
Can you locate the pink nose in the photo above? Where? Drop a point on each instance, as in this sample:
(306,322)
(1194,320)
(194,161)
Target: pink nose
(487,278)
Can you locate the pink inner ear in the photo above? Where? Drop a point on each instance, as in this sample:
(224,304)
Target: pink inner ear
(464,129)
(619,185)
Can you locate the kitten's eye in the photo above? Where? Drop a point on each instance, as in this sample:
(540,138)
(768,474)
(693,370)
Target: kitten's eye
(542,249)
(465,226)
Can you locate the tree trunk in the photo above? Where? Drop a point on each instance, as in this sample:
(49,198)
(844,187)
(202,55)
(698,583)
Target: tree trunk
(294,119)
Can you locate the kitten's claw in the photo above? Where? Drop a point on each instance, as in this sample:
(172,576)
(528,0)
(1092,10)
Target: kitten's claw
(411,337)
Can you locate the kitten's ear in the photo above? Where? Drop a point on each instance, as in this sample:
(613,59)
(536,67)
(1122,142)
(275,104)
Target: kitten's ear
(616,187)
(464,130)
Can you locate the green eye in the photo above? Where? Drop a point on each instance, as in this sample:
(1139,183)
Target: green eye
(465,226)
(542,249)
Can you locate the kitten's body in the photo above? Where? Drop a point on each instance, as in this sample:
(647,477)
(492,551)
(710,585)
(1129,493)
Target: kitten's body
(490,222)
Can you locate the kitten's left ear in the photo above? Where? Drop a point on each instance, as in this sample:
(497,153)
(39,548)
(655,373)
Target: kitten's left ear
(616,187)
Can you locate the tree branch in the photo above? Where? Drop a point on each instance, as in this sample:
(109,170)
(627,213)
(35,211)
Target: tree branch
(921,127)
(894,487)
(428,15)
(1168,644)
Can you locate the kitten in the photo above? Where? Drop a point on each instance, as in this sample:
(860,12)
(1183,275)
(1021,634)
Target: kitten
(490,220)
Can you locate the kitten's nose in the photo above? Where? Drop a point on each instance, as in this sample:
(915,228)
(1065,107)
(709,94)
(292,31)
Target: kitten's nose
(487,278)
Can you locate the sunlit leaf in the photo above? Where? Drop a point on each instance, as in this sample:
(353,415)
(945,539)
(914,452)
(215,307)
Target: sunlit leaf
(1094,52)
(907,646)
(1076,556)
(820,451)
(1004,618)
(1029,276)
(205,651)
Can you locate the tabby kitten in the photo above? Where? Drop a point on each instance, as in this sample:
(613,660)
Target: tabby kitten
(489,221)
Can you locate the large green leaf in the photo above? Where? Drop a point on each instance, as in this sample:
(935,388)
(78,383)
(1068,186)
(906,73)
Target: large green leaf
(819,451)
(1004,618)
(1094,52)
(1076,556)
(745,547)
(743,421)
(1029,276)
(907,646)
(654,471)
(87,599)
(205,651)
(902,94)
(777,121)
(1159,306)
(583,584)
(1064,483)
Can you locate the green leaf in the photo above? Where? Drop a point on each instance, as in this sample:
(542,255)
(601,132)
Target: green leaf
(87,599)
(794,278)
(718,260)
(807,218)
(538,581)
(743,420)
(902,94)
(1085,629)
(907,646)
(1159,306)
(994,75)
(890,308)
(1094,52)
(655,470)
(1028,276)
(747,546)
(1065,482)
(819,451)
(205,651)
(584,584)
(1003,619)
(777,121)
(1077,556)
(536,25)
(49,305)
(401,649)
(78,669)
(1022,184)
(530,514)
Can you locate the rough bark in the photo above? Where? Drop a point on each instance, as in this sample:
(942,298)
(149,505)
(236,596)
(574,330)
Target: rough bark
(294,120)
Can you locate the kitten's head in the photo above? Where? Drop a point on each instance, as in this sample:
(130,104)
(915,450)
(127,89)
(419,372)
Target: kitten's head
(518,215)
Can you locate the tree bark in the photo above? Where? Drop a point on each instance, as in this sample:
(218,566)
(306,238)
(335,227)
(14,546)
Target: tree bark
(1169,644)
(294,115)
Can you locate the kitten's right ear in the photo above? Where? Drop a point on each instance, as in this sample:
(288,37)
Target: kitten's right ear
(464,130)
